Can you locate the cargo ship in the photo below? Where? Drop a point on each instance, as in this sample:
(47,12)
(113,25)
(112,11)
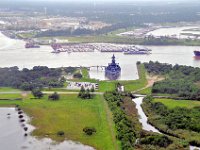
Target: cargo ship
(31,45)
(197,53)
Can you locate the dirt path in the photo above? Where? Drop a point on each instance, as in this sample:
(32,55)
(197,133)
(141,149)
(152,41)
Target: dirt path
(151,79)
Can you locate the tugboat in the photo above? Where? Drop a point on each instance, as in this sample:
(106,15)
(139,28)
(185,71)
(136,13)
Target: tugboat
(31,44)
(113,70)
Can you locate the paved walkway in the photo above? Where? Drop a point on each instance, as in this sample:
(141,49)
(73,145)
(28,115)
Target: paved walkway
(48,92)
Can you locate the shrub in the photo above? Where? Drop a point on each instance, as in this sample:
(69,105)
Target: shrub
(37,93)
(89,130)
(77,75)
(60,133)
(54,96)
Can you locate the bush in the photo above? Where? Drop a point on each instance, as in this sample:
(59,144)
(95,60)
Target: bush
(37,93)
(85,94)
(54,96)
(60,133)
(89,130)
(77,75)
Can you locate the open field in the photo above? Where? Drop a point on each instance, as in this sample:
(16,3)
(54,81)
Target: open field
(10,96)
(8,89)
(112,38)
(71,114)
(170,103)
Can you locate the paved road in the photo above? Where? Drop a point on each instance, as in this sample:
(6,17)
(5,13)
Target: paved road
(47,92)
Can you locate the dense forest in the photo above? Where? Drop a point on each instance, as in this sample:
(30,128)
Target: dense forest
(179,122)
(29,79)
(179,80)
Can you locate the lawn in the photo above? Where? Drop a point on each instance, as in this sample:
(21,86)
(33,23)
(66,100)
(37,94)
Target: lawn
(71,114)
(170,103)
(8,89)
(146,91)
(10,96)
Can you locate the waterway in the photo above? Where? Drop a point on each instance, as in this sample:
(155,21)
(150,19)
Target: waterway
(144,119)
(12,135)
(178,32)
(13,53)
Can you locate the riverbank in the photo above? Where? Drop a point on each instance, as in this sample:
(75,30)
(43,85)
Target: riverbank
(179,128)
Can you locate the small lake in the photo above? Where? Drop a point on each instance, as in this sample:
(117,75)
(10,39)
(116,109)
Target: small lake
(12,135)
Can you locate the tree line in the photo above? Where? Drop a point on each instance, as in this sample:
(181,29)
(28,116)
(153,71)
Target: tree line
(179,80)
(29,79)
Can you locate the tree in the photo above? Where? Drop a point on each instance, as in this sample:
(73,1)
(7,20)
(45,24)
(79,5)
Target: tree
(92,89)
(37,93)
(77,75)
(62,80)
(54,96)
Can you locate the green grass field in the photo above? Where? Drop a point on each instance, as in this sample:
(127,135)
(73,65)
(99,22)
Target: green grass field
(170,103)
(146,91)
(8,89)
(71,114)
(10,96)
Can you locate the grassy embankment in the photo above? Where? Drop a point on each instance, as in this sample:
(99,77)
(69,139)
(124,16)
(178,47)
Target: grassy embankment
(171,104)
(113,38)
(71,114)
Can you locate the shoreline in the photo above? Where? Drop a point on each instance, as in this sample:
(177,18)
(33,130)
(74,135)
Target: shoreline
(36,141)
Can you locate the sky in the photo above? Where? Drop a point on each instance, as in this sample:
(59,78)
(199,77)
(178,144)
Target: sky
(99,0)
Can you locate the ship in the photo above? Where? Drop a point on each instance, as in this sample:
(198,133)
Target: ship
(136,52)
(31,44)
(113,70)
(197,53)
(143,49)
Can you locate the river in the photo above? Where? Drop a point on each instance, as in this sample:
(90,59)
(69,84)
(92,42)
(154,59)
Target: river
(12,135)
(13,53)
(143,119)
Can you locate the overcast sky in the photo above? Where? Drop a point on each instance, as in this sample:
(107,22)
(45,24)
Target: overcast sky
(100,0)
